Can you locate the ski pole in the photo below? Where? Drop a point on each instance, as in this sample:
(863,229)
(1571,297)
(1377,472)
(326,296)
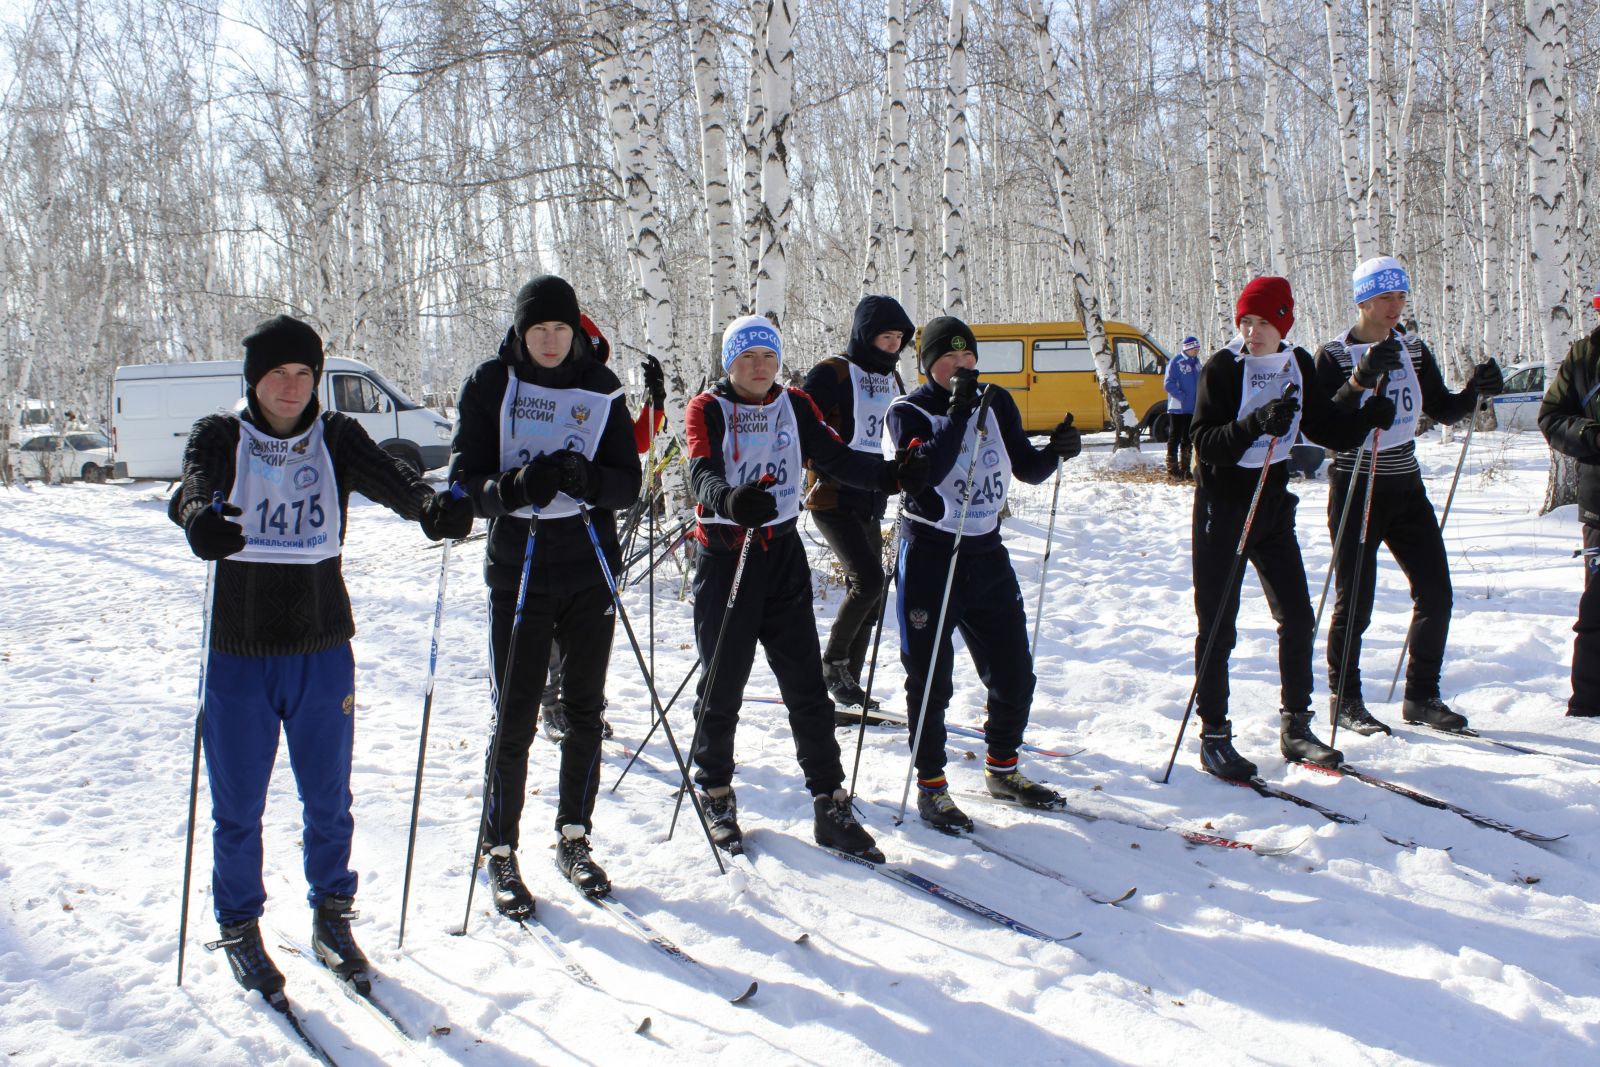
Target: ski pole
(676,693)
(427,711)
(649,679)
(877,632)
(1044,564)
(1227,594)
(1355,579)
(1448,500)
(716,657)
(499,717)
(199,721)
(650,575)
(944,600)
(1338,536)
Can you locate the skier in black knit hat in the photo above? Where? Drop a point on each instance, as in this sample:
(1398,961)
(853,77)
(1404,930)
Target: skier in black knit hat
(280,656)
(853,391)
(543,431)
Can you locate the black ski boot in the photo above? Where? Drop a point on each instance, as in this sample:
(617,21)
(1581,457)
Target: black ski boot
(1353,715)
(1299,745)
(1433,712)
(847,694)
(938,809)
(555,722)
(577,866)
(837,827)
(1219,757)
(247,957)
(722,812)
(511,896)
(1012,785)
(335,946)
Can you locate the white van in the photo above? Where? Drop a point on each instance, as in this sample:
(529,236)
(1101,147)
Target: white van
(155,405)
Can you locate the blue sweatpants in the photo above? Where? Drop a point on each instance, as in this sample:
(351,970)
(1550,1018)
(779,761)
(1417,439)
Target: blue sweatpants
(312,697)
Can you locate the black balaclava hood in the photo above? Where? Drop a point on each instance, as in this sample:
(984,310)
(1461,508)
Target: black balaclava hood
(874,315)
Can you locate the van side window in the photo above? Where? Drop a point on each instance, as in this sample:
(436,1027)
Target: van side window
(1136,357)
(1000,357)
(1062,355)
(354,394)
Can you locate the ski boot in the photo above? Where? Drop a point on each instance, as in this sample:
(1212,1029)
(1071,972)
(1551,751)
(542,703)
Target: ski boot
(836,826)
(1008,783)
(722,812)
(1299,745)
(247,957)
(938,809)
(1433,712)
(1352,714)
(335,946)
(1219,757)
(555,722)
(511,896)
(577,866)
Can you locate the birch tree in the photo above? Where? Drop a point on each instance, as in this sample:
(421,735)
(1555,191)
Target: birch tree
(777,205)
(1277,235)
(1123,420)
(1349,138)
(953,249)
(720,229)
(905,247)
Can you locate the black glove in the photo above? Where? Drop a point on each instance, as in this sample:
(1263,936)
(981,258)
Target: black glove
(1274,417)
(751,505)
(1487,380)
(655,382)
(446,515)
(579,479)
(963,393)
(1065,440)
(535,484)
(1380,359)
(908,473)
(1377,412)
(211,535)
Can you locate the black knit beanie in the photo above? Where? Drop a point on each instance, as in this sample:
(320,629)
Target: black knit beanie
(944,334)
(279,341)
(547,299)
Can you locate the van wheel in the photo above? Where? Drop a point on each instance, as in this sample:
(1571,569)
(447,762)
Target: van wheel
(1160,428)
(405,455)
(94,473)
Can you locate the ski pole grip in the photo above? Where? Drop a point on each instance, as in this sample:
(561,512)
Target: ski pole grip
(984,401)
(216,501)
(457,491)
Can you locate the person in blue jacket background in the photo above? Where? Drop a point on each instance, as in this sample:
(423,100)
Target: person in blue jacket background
(1183,378)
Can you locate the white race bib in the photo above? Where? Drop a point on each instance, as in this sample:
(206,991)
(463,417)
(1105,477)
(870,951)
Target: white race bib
(1403,389)
(991,480)
(537,421)
(1265,379)
(760,440)
(873,395)
(289,496)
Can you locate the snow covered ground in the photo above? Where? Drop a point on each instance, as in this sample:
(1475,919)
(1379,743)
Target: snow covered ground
(1472,948)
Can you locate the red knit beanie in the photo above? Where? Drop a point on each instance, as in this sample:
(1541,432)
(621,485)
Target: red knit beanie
(1270,298)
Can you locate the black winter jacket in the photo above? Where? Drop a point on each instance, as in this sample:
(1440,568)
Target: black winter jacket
(1570,419)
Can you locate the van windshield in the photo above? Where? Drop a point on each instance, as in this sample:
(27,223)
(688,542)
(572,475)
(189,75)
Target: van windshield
(401,401)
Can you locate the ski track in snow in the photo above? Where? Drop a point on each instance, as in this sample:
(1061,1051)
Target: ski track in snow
(1474,948)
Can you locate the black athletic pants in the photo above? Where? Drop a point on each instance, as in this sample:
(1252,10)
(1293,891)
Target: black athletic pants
(858,542)
(581,624)
(1180,450)
(1275,554)
(1404,521)
(1586,646)
(986,605)
(774,608)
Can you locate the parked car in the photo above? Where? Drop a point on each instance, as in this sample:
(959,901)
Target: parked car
(64,457)
(1517,406)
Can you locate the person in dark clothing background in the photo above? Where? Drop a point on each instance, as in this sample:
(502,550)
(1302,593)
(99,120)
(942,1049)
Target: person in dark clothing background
(1244,402)
(1402,515)
(853,391)
(543,431)
(748,438)
(280,657)
(1569,417)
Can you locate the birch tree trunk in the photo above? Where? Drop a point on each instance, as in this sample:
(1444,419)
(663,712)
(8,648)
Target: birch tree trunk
(953,249)
(905,247)
(1492,334)
(720,230)
(1349,138)
(1123,420)
(1277,237)
(1214,209)
(755,121)
(870,272)
(1377,149)
(777,204)
(1544,78)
